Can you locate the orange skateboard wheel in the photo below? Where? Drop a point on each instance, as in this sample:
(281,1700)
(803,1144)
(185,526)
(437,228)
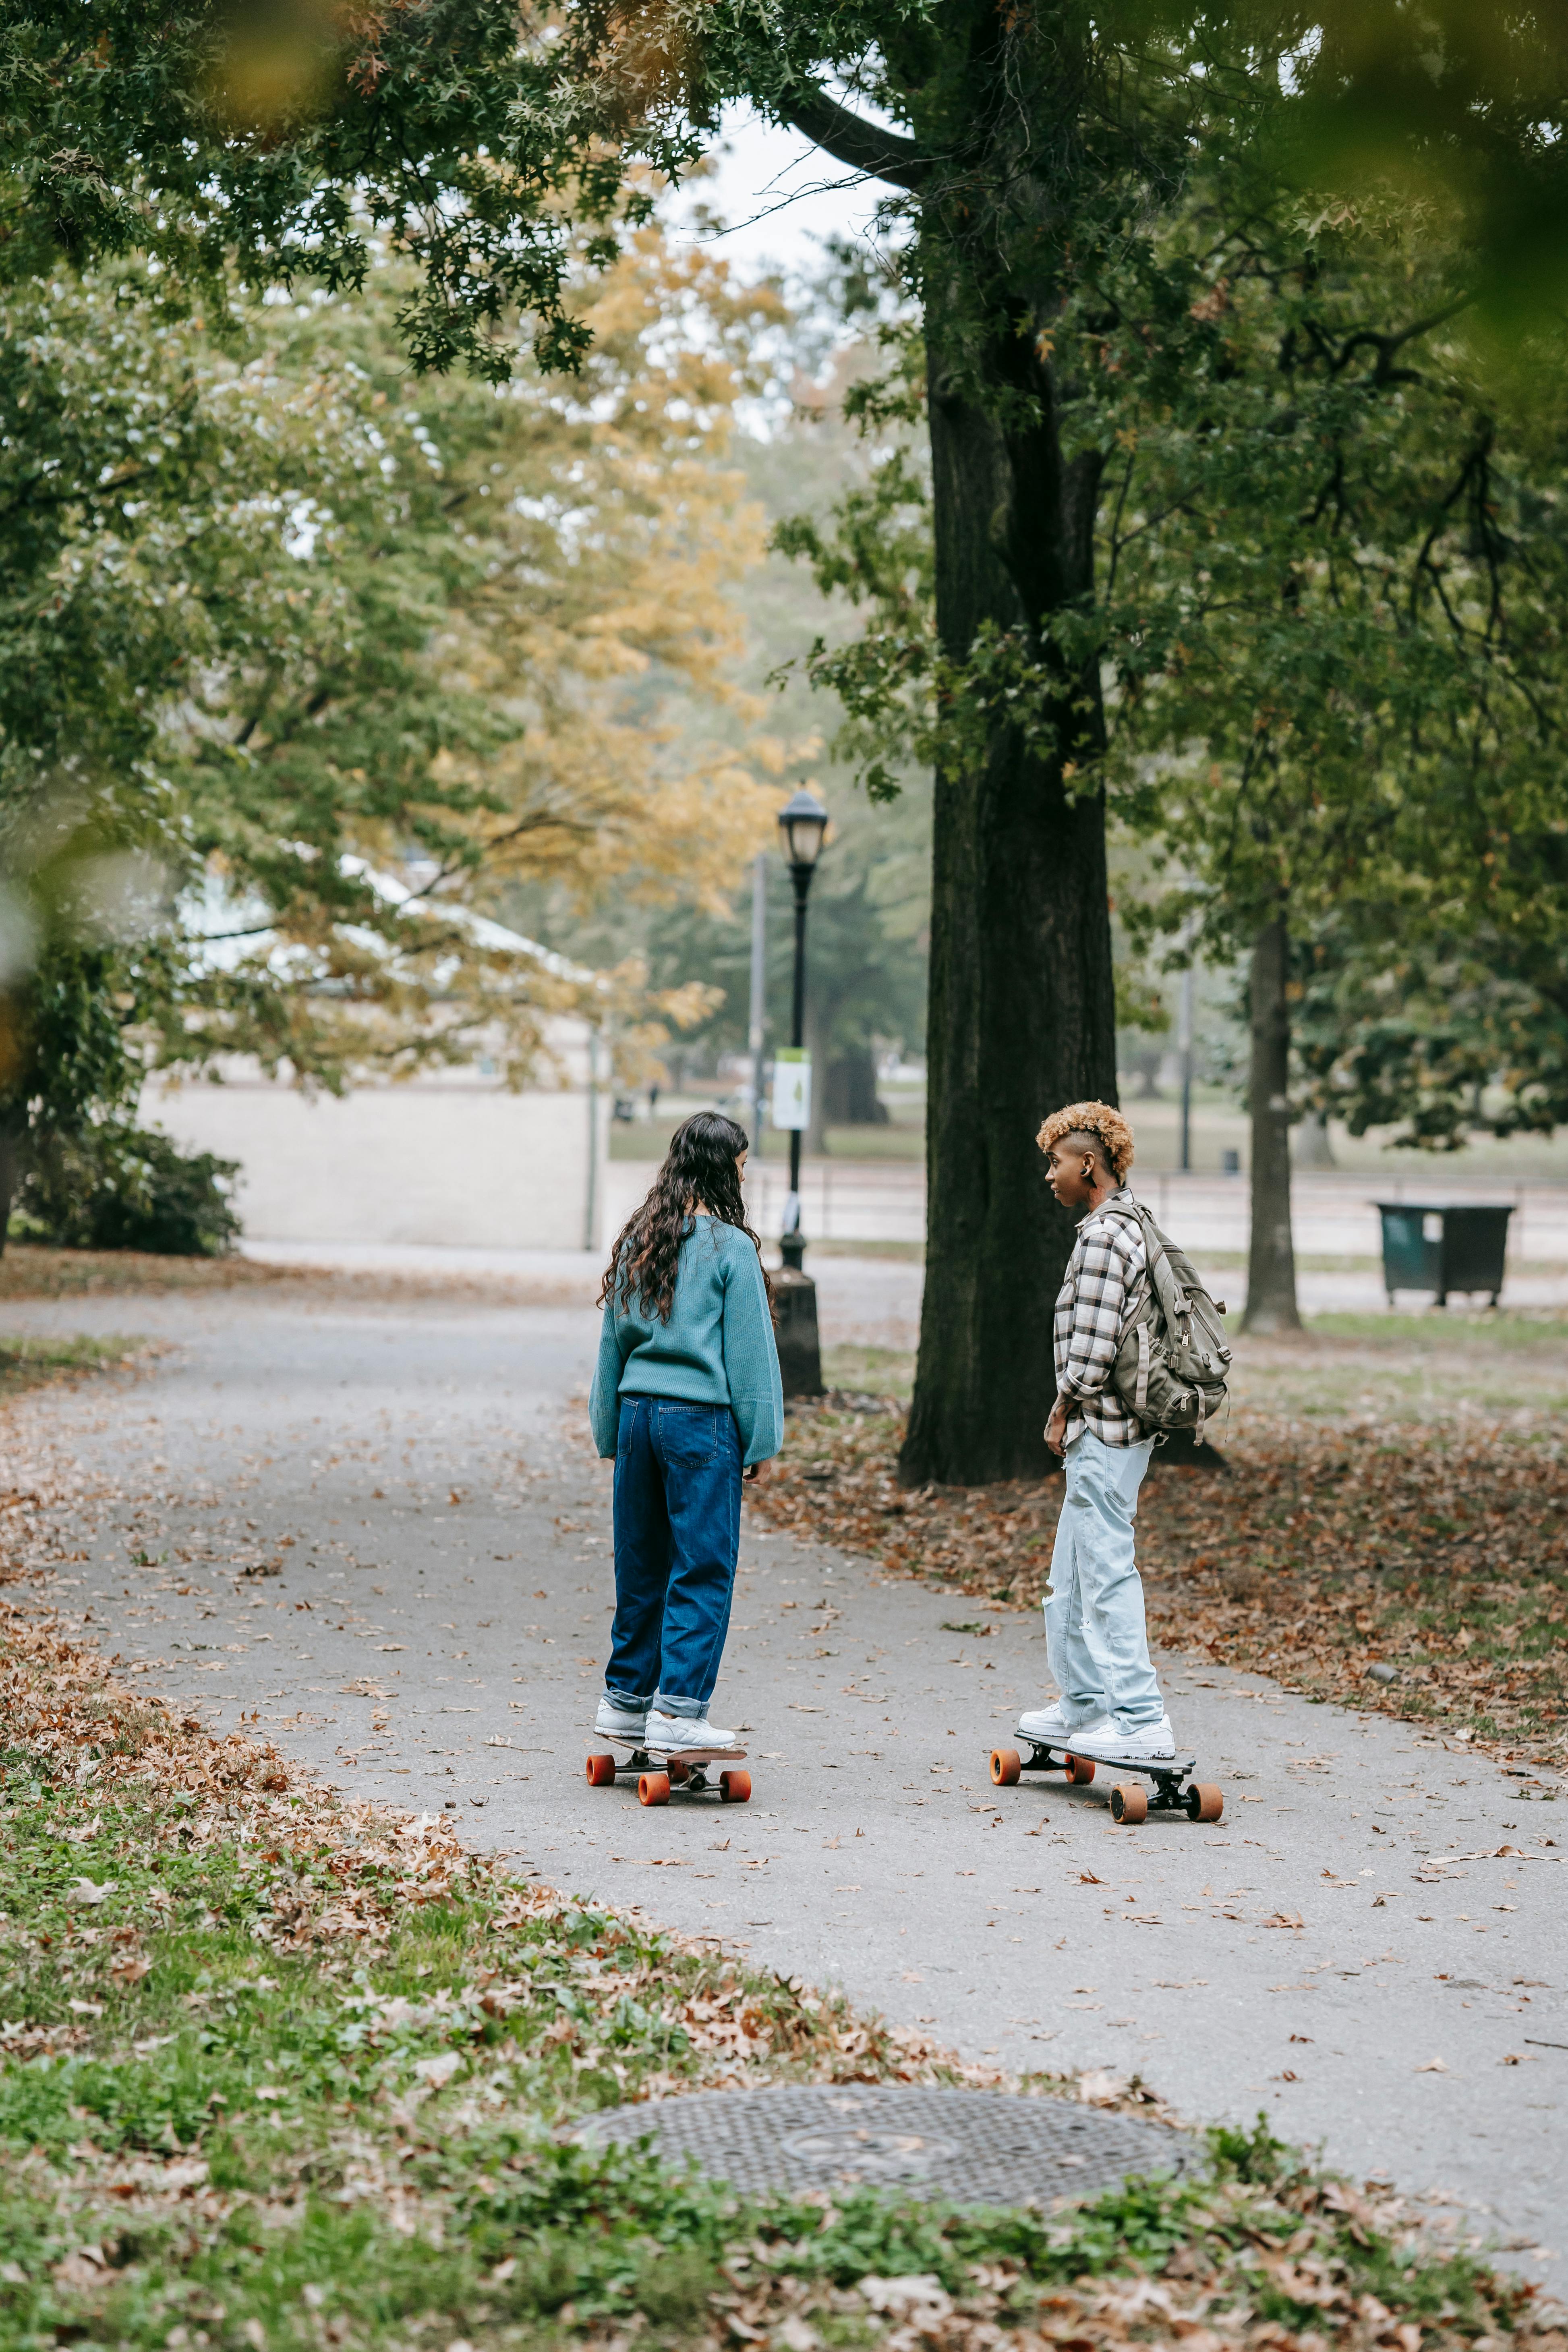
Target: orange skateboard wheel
(1079,1768)
(1203,1801)
(653,1789)
(601,1771)
(735,1788)
(1005,1766)
(1129,1803)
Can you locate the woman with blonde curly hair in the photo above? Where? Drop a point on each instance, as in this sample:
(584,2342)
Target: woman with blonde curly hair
(1109,1702)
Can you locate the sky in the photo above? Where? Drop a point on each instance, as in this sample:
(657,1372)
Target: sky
(781,194)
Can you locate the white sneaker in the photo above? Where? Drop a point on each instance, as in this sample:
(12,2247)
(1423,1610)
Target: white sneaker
(1053,1723)
(613,1722)
(667,1731)
(1152,1743)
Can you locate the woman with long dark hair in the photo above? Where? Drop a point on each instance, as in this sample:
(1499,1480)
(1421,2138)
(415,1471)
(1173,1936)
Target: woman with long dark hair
(687,1398)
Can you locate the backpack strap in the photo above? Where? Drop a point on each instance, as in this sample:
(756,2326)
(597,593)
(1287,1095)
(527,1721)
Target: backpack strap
(1172,1299)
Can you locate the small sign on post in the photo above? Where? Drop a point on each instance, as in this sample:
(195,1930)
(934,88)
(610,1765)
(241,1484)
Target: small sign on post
(792,1088)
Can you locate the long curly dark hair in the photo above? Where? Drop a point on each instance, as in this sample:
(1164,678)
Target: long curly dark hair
(698,1172)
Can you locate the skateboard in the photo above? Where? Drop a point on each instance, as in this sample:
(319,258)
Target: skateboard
(660,1771)
(1130,1802)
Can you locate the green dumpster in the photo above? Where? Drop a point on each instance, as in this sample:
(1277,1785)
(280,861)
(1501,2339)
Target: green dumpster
(1439,1248)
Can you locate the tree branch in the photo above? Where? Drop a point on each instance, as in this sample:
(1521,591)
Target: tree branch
(863,146)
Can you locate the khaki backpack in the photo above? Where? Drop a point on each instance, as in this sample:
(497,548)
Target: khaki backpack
(1172,1363)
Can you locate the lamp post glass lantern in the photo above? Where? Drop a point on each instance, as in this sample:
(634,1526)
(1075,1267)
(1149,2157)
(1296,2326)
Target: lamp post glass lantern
(803,821)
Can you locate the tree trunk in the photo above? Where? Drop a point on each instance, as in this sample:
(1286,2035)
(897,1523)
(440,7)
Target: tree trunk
(1311,1145)
(1271,1262)
(1022,1004)
(849,1090)
(13,1135)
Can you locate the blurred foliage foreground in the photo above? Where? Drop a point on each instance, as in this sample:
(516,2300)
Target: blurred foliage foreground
(1388,1532)
(284,2071)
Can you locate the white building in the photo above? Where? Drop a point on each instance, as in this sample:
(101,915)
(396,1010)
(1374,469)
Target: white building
(450,1157)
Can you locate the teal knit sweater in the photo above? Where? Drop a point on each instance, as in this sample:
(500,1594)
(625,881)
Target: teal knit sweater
(716,1348)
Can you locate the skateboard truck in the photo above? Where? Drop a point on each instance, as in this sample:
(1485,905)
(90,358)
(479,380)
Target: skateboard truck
(1130,1802)
(660,1772)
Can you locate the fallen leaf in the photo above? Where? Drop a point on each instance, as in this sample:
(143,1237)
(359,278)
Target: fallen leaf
(439,2071)
(920,2296)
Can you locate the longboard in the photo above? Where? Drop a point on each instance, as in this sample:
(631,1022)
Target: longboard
(1130,1803)
(660,1771)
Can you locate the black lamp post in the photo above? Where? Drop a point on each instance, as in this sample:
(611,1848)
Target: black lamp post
(802,823)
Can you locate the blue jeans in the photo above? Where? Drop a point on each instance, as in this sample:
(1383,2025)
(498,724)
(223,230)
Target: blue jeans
(1096,1638)
(677,1533)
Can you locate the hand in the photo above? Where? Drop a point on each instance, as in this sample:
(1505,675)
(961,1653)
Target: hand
(751,1473)
(1057,1427)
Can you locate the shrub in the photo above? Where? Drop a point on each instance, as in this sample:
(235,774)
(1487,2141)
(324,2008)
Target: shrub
(114,1186)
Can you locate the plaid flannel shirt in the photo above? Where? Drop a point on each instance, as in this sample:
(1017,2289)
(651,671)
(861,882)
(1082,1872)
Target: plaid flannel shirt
(1104,1281)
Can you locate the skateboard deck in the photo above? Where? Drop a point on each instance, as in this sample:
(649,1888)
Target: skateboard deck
(1175,1792)
(661,1771)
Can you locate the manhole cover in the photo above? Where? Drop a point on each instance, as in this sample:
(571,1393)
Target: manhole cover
(978,2148)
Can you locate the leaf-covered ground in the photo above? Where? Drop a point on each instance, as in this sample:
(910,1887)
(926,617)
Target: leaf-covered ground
(26,1363)
(1390,1530)
(281,2072)
(30,1270)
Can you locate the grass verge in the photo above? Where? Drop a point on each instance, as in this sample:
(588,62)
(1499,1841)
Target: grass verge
(290,2073)
(1391,1531)
(31,1270)
(27,1363)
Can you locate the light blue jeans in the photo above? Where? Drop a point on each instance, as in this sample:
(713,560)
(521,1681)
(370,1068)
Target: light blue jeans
(1096,1638)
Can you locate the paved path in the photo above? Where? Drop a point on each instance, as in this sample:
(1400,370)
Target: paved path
(1348,1950)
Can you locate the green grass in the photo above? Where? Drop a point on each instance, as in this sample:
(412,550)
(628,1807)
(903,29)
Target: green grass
(26,1363)
(1542,1330)
(912,1253)
(283,2076)
(875,1371)
(1435,1368)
